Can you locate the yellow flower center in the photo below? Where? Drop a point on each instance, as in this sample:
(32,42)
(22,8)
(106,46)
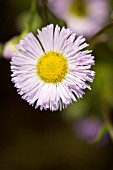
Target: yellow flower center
(52,67)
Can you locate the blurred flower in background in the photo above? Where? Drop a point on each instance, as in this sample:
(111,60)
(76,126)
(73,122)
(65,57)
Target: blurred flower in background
(10,47)
(87,128)
(85,17)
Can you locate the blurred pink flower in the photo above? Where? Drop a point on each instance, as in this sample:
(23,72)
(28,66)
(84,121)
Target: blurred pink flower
(82,16)
(88,128)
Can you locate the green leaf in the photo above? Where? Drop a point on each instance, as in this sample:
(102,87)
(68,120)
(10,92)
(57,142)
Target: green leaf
(101,134)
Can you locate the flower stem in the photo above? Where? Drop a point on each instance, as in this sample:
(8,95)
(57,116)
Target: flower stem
(109,125)
(45,13)
(101,134)
(107,118)
(1,49)
(32,13)
(104,29)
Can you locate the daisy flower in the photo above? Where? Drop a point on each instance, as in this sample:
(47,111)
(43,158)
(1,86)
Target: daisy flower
(52,71)
(85,17)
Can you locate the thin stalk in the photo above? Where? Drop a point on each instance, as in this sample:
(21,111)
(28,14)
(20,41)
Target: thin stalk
(109,125)
(107,118)
(32,13)
(107,27)
(1,49)
(101,134)
(44,13)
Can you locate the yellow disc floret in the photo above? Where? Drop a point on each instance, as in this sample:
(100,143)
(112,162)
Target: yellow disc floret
(52,67)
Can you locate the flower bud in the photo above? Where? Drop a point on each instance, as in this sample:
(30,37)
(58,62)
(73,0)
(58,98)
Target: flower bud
(9,48)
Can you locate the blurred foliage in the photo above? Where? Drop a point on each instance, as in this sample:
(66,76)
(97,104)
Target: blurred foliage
(23,18)
(35,140)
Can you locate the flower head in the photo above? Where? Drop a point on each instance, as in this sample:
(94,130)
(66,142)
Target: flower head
(52,71)
(85,17)
(9,48)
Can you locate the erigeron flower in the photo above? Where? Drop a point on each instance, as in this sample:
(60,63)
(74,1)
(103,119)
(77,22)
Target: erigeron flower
(85,17)
(52,71)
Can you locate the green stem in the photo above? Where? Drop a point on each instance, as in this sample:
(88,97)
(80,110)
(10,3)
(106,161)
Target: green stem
(43,2)
(1,49)
(32,13)
(109,125)
(44,16)
(107,118)
(108,26)
(101,134)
